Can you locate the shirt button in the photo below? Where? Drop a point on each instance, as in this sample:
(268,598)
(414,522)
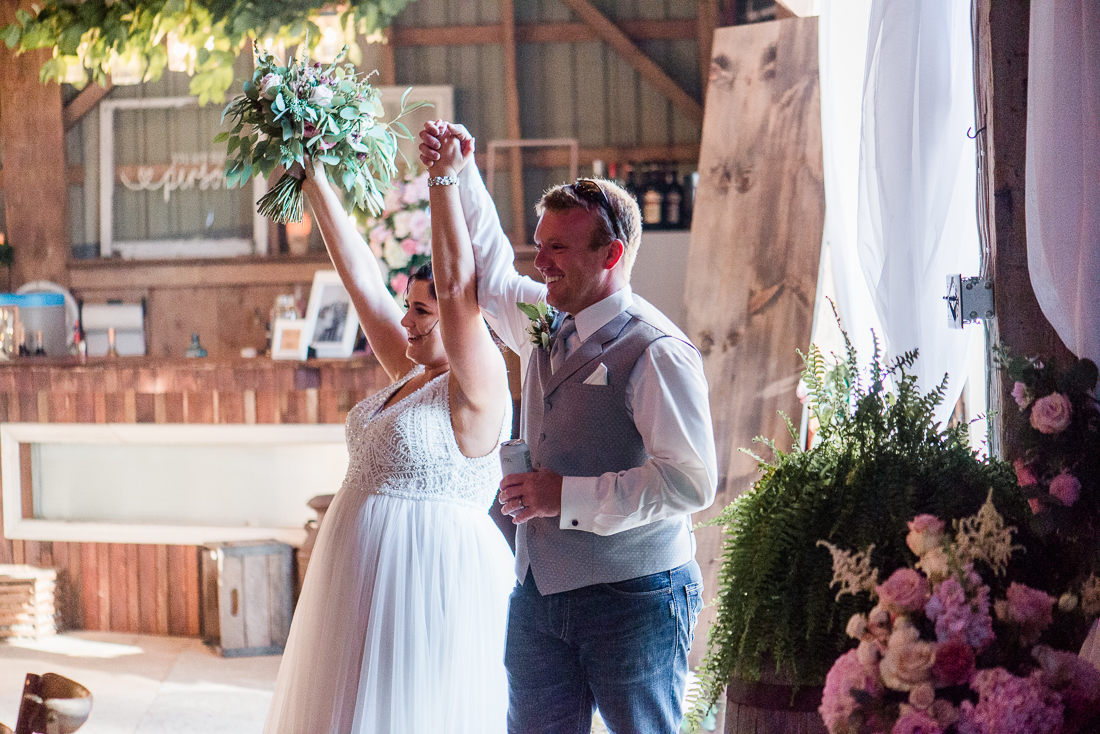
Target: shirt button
(542,437)
(576,523)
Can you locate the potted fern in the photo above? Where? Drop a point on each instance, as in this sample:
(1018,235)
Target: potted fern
(876,461)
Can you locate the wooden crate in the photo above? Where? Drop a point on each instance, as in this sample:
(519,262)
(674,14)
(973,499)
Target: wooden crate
(27,601)
(246,596)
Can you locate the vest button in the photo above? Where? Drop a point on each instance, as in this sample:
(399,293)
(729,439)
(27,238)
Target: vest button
(575,523)
(542,437)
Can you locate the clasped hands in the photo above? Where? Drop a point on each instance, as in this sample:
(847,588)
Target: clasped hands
(445,147)
(533,494)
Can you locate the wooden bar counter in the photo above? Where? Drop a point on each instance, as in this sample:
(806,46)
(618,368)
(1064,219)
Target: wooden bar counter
(154,589)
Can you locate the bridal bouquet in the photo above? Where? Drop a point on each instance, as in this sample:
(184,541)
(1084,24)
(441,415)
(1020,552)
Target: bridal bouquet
(940,653)
(400,235)
(301,109)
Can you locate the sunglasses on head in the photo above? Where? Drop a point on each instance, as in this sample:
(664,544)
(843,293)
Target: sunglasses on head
(593,193)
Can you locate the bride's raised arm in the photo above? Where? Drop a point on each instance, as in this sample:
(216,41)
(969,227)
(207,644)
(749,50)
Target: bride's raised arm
(358,268)
(477,366)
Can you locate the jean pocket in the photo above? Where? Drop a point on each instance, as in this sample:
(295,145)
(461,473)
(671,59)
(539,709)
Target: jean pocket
(644,586)
(694,594)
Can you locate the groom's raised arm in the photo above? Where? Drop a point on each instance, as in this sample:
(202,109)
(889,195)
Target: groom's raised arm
(499,286)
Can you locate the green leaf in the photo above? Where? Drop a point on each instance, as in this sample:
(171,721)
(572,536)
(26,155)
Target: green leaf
(529,310)
(349,113)
(11,34)
(221,137)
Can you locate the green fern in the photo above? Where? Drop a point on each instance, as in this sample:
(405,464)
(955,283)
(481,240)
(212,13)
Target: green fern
(877,460)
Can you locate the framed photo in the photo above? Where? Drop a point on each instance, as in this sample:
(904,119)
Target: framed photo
(290,338)
(332,317)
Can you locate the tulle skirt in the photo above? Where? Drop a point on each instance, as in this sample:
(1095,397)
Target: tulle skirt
(400,625)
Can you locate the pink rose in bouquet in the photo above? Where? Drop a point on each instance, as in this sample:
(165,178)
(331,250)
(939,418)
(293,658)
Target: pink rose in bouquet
(1067,488)
(925,534)
(905,591)
(1020,394)
(1051,414)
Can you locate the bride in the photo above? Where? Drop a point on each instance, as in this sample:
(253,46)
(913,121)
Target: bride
(400,625)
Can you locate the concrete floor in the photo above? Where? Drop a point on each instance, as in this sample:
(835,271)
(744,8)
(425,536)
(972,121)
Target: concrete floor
(143,684)
(146,685)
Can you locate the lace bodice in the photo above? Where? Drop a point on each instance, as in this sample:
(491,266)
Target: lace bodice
(408,449)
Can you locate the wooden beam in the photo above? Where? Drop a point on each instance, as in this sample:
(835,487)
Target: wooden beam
(626,48)
(387,65)
(36,198)
(706,22)
(85,102)
(465,35)
(1001,50)
(511,110)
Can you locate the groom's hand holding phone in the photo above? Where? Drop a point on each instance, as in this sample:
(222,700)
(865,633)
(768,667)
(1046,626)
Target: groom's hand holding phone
(532,494)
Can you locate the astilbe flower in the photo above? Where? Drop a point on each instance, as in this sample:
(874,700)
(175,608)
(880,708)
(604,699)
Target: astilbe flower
(852,572)
(985,537)
(1008,704)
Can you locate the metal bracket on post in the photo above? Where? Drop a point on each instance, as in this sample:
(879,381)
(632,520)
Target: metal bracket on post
(969,300)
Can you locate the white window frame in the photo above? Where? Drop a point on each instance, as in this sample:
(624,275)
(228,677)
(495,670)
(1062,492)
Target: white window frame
(17,526)
(145,249)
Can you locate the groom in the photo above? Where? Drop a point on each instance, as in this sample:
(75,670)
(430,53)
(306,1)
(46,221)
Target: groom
(617,418)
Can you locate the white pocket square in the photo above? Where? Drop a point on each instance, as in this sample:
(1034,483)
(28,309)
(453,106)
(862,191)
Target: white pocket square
(598,376)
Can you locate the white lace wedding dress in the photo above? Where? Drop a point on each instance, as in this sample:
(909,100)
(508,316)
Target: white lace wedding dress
(400,625)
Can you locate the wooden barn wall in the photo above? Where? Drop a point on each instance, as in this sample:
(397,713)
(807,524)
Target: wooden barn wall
(154,589)
(584,90)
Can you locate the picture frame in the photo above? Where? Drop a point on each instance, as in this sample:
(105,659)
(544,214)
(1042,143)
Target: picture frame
(290,339)
(332,317)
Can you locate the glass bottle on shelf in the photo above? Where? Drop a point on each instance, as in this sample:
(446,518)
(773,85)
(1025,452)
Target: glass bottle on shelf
(674,201)
(39,347)
(653,200)
(112,350)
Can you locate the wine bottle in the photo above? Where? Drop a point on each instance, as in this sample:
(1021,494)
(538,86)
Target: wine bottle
(674,201)
(653,200)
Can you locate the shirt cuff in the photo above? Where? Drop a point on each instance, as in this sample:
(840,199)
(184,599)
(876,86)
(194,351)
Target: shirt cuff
(575,515)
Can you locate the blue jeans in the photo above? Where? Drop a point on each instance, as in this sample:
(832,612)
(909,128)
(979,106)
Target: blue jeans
(621,648)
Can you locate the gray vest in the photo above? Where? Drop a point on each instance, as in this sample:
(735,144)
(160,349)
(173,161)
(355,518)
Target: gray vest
(583,430)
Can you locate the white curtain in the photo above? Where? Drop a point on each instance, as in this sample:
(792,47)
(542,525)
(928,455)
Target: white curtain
(916,220)
(842,47)
(1062,179)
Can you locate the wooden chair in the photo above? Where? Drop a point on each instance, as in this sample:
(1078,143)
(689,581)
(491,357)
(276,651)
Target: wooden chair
(52,704)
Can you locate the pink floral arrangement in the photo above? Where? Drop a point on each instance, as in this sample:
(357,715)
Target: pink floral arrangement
(937,654)
(401,235)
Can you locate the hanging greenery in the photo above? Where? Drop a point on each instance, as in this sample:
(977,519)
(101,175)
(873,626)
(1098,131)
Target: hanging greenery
(91,36)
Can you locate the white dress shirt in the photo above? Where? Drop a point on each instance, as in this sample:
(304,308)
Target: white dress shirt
(667,393)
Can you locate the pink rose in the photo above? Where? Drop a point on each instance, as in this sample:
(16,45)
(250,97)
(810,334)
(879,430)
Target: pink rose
(1066,488)
(1019,394)
(1024,476)
(922,696)
(908,661)
(1029,608)
(915,721)
(1051,414)
(905,591)
(954,663)
(925,533)
(399,283)
(410,246)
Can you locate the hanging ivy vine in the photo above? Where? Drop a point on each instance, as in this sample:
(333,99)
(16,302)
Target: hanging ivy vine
(94,34)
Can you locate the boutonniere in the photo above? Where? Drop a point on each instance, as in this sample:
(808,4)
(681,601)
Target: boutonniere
(542,317)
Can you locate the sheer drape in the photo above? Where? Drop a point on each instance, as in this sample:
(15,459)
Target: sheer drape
(911,219)
(1062,180)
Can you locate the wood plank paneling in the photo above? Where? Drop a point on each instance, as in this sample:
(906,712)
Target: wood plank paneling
(154,589)
(757,229)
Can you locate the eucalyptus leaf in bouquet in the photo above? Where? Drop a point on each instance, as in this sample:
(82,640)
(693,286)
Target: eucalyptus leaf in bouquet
(330,113)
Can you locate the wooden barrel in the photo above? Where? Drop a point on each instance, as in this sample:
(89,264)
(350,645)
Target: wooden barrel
(772,708)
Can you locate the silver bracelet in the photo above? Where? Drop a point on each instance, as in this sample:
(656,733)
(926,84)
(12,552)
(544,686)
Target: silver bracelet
(443,181)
